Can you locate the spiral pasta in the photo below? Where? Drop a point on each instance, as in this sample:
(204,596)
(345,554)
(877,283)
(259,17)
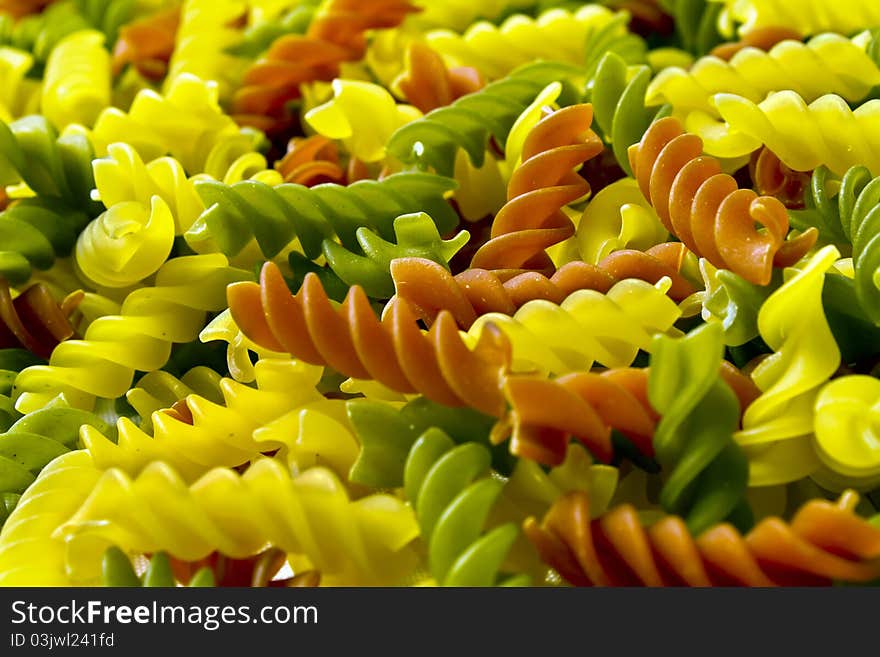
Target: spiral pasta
(216,435)
(36,439)
(452,500)
(139,337)
(427,83)
(76,85)
(804,136)
(351,542)
(806,18)
(147,44)
(276,216)
(19,95)
(429,288)
(555,34)
(707,210)
(387,434)
(393,352)
(849,217)
(361,114)
(587,327)
(708,471)
(335,35)
(532,219)
(824,542)
(467,123)
(777,427)
(828,63)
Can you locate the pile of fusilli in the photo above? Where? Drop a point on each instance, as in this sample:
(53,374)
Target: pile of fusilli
(439,292)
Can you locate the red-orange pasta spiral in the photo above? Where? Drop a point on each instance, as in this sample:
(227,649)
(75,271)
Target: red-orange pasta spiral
(532,219)
(773,178)
(824,542)
(352,340)
(34,320)
(706,209)
(314,160)
(147,44)
(763,38)
(337,34)
(429,288)
(427,83)
(545,413)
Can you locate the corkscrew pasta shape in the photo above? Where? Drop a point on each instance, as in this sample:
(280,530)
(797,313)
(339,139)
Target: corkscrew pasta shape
(824,542)
(355,542)
(808,18)
(708,211)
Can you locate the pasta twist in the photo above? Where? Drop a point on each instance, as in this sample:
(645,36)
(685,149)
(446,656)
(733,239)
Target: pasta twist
(202,434)
(360,542)
(161,390)
(19,95)
(773,178)
(828,63)
(37,230)
(387,434)
(238,213)
(543,414)
(147,44)
(823,543)
(533,220)
(452,497)
(458,14)
(806,18)
(28,553)
(335,35)
(618,100)
(313,160)
(587,327)
(804,136)
(36,439)
(361,114)
(555,34)
(427,83)
(186,122)
(206,29)
(139,337)
(416,236)
(846,432)
(434,140)
(707,471)
(353,341)
(707,210)
(777,427)
(76,85)
(733,302)
(34,320)
(428,288)
(846,212)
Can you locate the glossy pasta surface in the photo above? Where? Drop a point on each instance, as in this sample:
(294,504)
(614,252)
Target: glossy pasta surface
(463,293)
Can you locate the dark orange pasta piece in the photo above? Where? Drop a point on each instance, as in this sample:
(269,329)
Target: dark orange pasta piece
(430,288)
(34,320)
(315,160)
(353,341)
(773,178)
(707,210)
(427,83)
(147,44)
(532,219)
(825,542)
(337,34)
